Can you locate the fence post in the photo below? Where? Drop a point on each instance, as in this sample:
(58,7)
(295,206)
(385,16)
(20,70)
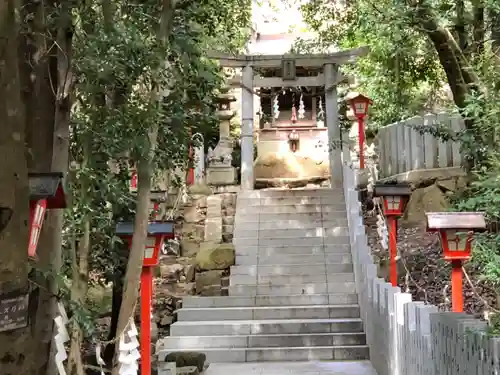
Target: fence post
(430,143)
(408,145)
(444,148)
(393,132)
(457,125)
(402,153)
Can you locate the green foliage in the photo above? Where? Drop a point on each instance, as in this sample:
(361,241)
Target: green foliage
(401,74)
(120,62)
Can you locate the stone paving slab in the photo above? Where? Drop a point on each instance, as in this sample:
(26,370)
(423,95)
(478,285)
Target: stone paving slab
(293,368)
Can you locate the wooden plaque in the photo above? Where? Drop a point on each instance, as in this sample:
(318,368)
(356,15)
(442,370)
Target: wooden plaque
(13,312)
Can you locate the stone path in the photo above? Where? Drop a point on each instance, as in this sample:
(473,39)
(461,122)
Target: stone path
(292,306)
(292,368)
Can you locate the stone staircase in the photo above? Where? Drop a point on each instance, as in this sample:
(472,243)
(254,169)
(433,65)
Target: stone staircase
(292,294)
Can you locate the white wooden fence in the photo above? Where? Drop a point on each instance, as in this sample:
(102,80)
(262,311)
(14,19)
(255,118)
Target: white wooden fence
(403,149)
(411,338)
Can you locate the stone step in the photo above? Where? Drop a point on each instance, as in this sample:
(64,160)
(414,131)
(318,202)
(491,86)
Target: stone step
(279,201)
(244,203)
(264,218)
(291,241)
(266,251)
(271,280)
(292,233)
(232,355)
(264,193)
(292,259)
(243,224)
(270,341)
(292,209)
(266,327)
(268,312)
(271,300)
(290,269)
(281,290)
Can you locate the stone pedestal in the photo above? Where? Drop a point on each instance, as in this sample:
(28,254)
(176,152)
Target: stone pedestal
(221,175)
(220,171)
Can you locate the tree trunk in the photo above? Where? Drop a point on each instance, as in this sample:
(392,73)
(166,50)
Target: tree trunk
(478,27)
(80,274)
(60,140)
(461,76)
(134,265)
(17,352)
(494,18)
(115,311)
(144,175)
(461,32)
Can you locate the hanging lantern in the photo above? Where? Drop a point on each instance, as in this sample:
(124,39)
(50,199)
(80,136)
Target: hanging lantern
(294,115)
(46,192)
(37,215)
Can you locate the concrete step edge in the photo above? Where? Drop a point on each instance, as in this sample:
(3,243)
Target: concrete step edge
(329,306)
(270,321)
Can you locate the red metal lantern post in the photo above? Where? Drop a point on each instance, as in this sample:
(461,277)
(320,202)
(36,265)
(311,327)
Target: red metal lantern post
(456,231)
(156,197)
(394,199)
(157,233)
(359,104)
(293,138)
(133,180)
(46,193)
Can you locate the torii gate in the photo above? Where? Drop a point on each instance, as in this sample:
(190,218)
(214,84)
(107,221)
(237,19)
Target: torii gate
(329,78)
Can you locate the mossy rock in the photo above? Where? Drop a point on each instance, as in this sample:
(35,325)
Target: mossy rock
(215,256)
(186,359)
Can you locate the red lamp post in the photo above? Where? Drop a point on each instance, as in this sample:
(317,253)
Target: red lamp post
(359,104)
(293,138)
(133,180)
(394,199)
(156,197)
(456,231)
(157,233)
(46,192)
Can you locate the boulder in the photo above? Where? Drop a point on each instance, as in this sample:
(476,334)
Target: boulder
(447,185)
(215,256)
(184,359)
(207,279)
(190,271)
(289,165)
(189,247)
(193,231)
(211,291)
(171,271)
(193,214)
(428,199)
(166,320)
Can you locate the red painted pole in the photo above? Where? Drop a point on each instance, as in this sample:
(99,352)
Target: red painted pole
(146,297)
(457,297)
(361,131)
(190,176)
(393,250)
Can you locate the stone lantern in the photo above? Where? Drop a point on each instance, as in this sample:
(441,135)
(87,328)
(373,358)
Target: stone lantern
(220,171)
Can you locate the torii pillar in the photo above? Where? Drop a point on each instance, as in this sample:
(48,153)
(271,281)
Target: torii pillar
(247,124)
